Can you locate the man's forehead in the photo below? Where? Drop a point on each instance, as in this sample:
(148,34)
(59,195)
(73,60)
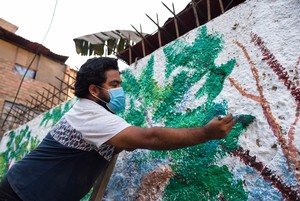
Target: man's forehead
(113,76)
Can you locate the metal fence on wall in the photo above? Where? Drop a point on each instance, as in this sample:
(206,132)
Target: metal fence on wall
(14,114)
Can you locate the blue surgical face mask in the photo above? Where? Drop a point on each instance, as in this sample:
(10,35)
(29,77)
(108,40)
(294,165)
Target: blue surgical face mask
(117,99)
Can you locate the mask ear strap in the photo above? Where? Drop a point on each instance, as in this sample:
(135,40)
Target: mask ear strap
(99,99)
(101,88)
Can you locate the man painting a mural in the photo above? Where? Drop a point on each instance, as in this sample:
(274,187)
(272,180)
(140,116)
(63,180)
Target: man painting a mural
(79,147)
(244,62)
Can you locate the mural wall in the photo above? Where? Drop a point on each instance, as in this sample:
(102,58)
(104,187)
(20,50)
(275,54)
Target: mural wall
(245,62)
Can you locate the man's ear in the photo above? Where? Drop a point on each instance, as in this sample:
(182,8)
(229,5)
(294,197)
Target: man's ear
(93,90)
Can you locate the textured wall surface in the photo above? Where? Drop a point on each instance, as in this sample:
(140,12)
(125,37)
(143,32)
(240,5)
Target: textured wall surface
(245,62)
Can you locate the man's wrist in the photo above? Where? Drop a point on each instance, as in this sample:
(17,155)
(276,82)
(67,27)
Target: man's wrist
(204,134)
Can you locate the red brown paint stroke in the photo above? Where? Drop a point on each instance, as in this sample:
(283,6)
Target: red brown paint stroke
(287,192)
(280,71)
(242,91)
(154,183)
(292,86)
(275,127)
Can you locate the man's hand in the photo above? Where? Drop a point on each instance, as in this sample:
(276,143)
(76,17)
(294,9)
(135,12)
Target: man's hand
(219,128)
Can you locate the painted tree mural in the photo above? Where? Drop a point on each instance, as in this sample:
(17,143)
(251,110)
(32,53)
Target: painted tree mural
(151,104)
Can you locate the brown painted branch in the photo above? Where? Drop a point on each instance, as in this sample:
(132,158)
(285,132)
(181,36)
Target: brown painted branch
(242,91)
(275,127)
(274,64)
(153,184)
(291,85)
(288,193)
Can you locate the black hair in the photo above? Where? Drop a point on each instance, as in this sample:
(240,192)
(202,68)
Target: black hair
(93,72)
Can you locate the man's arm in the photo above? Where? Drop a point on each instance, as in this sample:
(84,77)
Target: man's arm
(160,138)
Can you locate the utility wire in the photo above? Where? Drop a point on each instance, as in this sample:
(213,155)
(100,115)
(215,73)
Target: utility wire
(35,55)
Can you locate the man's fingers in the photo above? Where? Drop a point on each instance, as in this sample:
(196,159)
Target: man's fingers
(227,119)
(232,122)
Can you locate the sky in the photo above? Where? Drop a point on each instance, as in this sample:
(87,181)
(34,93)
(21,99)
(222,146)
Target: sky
(55,23)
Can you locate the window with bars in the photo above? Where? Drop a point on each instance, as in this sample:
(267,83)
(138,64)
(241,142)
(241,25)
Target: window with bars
(20,70)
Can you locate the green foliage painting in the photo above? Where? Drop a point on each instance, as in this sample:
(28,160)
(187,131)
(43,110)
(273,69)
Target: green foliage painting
(196,177)
(18,145)
(24,139)
(56,113)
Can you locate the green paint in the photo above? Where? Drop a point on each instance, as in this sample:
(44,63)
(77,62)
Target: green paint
(130,84)
(197,178)
(134,116)
(150,95)
(87,196)
(173,97)
(200,58)
(148,83)
(3,166)
(56,113)
(209,185)
(19,144)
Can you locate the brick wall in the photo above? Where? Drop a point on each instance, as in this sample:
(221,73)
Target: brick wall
(46,71)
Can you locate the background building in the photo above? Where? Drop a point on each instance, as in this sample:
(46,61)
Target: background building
(45,84)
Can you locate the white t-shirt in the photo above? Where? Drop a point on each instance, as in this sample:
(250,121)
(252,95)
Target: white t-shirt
(69,159)
(94,122)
